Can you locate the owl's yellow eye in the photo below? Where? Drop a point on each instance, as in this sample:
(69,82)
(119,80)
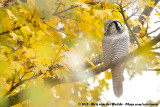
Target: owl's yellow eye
(110,25)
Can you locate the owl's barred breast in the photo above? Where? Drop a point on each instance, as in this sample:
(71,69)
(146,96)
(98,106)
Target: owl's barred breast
(114,47)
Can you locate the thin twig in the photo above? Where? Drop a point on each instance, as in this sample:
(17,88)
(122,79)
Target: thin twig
(68,18)
(20,83)
(157,22)
(153,31)
(57,8)
(132,14)
(6,32)
(125,20)
(72,7)
(156,53)
(151,69)
(57,54)
(146,34)
(155,48)
(32,16)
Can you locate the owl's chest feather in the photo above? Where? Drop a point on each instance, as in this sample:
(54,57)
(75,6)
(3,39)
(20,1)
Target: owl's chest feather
(115,46)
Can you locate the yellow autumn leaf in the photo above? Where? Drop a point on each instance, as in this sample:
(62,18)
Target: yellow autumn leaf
(3,66)
(53,22)
(77,3)
(26,30)
(40,68)
(3,57)
(23,11)
(108,75)
(85,6)
(137,23)
(40,34)
(150,3)
(15,65)
(89,61)
(14,36)
(11,16)
(5,49)
(7,23)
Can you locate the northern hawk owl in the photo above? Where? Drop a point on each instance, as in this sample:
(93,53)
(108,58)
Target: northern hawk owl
(115,45)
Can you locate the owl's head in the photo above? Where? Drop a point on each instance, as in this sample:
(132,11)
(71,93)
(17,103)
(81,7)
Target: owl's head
(113,26)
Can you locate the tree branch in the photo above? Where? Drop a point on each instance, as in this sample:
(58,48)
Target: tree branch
(72,7)
(20,83)
(22,95)
(125,20)
(146,12)
(132,14)
(6,32)
(157,22)
(155,48)
(146,34)
(153,31)
(151,69)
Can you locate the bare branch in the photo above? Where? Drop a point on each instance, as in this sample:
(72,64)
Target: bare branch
(72,7)
(57,7)
(157,22)
(151,69)
(153,31)
(155,48)
(125,20)
(146,12)
(68,18)
(132,14)
(58,54)
(6,32)
(146,34)
(156,53)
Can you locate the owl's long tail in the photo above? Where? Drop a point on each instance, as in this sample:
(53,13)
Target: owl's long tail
(117,79)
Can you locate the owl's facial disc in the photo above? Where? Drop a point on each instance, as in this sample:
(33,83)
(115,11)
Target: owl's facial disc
(111,28)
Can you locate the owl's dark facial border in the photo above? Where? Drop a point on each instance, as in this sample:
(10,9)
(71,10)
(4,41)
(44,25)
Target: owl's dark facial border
(119,28)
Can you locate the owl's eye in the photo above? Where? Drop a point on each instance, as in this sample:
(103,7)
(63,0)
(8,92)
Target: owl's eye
(110,25)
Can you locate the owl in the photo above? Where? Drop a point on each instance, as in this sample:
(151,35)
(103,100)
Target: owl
(115,45)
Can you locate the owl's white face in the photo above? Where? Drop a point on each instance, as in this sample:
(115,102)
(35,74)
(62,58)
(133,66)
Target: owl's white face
(110,28)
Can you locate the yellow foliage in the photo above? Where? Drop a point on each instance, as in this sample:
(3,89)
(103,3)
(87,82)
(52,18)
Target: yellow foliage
(11,16)
(26,30)
(108,75)
(15,65)
(5,22)
(56,38)
(137,23)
